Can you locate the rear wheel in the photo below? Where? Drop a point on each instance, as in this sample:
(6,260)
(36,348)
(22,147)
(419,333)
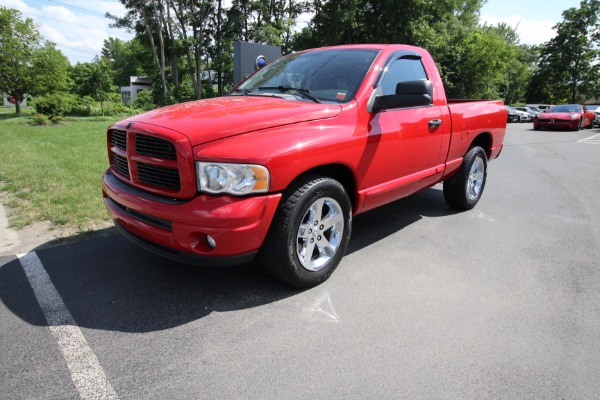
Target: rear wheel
(464,189)
(310,232)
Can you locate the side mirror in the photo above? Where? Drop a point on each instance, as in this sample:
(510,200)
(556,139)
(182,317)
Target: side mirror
(408,94)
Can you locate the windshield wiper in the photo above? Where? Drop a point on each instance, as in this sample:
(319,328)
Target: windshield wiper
(245,92)
(285,89)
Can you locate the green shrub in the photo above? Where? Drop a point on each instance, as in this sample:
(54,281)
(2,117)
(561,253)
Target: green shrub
(115,109)
(144,101)
(81,110)
(56,119)
(40,119)
(54,104)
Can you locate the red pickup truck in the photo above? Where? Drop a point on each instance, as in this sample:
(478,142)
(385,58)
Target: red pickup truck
(279,166)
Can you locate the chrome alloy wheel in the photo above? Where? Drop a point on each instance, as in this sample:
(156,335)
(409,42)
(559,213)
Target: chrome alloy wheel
(320,233)
(476,176)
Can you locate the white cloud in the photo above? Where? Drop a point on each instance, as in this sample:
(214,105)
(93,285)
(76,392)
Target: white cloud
(530,31)
(77,33)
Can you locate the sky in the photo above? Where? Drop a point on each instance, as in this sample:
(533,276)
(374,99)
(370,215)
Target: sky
(79,27)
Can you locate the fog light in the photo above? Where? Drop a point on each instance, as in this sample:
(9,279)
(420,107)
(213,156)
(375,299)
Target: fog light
(210,242)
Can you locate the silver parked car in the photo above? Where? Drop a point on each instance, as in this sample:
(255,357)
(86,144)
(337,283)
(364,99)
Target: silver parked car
(524,114)
(596,109)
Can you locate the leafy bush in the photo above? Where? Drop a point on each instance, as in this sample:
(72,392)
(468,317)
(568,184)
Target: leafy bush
(144,101)
(116,109)
(39,119)
(56,119)
(54,104)
(81,110)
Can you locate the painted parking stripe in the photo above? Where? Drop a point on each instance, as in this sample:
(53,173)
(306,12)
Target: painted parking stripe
(87,374)
(590,140)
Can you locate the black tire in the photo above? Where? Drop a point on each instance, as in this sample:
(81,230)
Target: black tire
(286,255)
(578,128)
(464,189)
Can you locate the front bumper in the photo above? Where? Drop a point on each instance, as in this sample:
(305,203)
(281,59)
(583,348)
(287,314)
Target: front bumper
(178,229)
(556,124)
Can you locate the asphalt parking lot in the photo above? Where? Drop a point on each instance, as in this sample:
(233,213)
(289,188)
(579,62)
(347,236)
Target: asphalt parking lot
(502,301)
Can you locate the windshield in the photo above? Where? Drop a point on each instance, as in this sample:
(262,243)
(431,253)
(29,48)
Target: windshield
(566,108)
(327,75)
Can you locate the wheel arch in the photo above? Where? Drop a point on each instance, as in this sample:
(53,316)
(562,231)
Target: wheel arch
(483,140)
(340,172)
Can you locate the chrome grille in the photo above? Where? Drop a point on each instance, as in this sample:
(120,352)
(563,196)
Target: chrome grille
(154,147)
(159,176)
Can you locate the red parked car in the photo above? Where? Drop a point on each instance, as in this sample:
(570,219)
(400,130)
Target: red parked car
(565,116)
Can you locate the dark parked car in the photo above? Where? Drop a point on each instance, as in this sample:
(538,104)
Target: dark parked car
(512,115)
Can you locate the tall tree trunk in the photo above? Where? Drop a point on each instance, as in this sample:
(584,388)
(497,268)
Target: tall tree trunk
(197,25)
(574,79)
(174,53)
(154,51)
(198,58)
(161,42)
(219,68)
(179,14)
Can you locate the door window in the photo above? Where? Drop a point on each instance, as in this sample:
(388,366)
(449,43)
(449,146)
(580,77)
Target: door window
(402,70)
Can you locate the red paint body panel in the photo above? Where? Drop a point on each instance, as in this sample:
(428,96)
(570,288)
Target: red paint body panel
(239,223)
(388,155)
(213,119)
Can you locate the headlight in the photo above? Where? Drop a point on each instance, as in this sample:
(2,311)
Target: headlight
(236,179)
(574,116)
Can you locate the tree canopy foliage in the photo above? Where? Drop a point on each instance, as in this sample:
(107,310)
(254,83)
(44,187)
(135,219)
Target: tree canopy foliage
(177,41)
(568,69)
(475,61)
(27,64)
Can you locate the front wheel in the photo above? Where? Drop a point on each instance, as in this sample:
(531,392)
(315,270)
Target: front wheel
(464,189)
(309,233)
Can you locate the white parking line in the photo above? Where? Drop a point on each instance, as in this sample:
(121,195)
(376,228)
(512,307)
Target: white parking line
(86,373)
(590,140)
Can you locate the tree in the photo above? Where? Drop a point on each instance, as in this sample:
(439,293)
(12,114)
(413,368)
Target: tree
(519,64)
(568,65)
(27,66)
(484,60)
(127,59)
(94,79)
(442,27)
(50,69)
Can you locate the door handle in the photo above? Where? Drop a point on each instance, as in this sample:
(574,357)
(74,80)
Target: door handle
(434,123)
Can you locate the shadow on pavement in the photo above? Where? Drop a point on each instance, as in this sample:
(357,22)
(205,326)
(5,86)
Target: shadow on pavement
(109,283)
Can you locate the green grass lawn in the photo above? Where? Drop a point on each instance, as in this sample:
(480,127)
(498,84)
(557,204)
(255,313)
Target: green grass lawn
(53,172)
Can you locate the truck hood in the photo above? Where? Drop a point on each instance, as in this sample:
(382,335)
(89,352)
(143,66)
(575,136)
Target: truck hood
(204,121)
